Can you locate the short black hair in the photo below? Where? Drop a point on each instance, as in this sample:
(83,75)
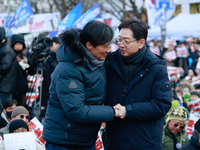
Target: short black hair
(56,40)
(8,103)
(97,33)
(139,28)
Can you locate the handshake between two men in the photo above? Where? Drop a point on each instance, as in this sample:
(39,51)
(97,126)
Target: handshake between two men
(120,111)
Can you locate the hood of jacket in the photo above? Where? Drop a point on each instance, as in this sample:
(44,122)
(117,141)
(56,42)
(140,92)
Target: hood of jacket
(71,50)
(18,38)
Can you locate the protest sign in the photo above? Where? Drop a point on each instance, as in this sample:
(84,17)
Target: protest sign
(194,117)
(173,70)
(20,141)
(181,52)
(171,55)
(155,50)
(35,126)
(99,143)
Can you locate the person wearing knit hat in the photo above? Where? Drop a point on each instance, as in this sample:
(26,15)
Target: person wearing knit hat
(19,112)
(18,126)
(194,95)
(174,136)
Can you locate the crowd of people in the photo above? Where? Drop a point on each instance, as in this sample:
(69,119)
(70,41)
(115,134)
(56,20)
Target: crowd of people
(84,84)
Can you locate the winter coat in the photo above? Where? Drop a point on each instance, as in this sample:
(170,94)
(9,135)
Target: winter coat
(8,69)
(193,143)
(77,91)
(22,82)
(49,67)
(174,142)
(147,99)
(3,120)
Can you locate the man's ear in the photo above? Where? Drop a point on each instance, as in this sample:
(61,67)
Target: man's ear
(4,110)
(89,46)
(141,43)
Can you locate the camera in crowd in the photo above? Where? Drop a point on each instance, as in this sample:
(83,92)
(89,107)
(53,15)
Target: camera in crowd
(39,47)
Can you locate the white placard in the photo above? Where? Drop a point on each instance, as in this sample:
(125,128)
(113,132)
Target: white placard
(35,126)
(181,52)
(155,50)
(171,55)
(173,70)
(99,143)
(198,63)
(22,140)
(194,117)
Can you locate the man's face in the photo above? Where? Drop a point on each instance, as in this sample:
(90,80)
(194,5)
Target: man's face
(175,126)
(194,97)
(20,130)
(18,46)
(126,48)
(9,109)
(54,47)
(22,116)
(100,51)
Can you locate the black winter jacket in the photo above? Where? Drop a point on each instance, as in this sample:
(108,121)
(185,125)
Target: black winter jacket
(8,69)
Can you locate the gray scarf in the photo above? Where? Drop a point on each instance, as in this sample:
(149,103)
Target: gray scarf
(95,61)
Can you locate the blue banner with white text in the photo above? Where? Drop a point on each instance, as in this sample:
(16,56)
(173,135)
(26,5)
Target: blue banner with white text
(69,20)
(89,15)
(23,12)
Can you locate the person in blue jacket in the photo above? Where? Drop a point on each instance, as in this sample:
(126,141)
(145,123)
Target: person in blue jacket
(138,86)
(78,88)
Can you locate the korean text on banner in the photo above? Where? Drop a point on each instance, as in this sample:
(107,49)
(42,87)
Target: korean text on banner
(181,52)
(19,141)
(155,50)
(23,12)
(173,70)
(89,15)
(99,143)
(194,117)
(171,55)
(69,20)
(35,126)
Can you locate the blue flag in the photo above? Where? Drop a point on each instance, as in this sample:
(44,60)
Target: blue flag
(23,12)
(69,20)
(89,15)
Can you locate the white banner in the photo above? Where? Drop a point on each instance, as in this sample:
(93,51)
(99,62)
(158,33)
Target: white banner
(35,126)
(173,70)
(155,50)
(198,63)
(194,117)
(99,143)
(194,105)
(19,141)
(181,52)
(38,23)
(171,55)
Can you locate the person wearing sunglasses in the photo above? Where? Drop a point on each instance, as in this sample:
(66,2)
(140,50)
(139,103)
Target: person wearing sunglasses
(174,136)
(20,112)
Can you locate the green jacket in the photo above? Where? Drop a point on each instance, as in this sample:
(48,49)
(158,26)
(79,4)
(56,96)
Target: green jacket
(171,141)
